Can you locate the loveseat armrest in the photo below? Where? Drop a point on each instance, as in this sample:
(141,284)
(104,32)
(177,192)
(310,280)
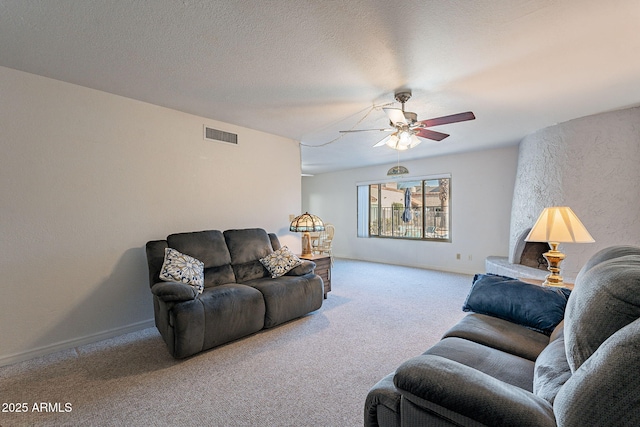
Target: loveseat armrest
(470,393)
(300,270)
(174,291)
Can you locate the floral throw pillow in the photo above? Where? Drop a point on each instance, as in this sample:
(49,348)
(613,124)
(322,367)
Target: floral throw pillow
(280,262)
(178,267)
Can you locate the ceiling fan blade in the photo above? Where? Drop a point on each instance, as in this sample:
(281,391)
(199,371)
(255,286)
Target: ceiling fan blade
(366,130)
(454,118)
(432,134)
(383,141)
(396,116)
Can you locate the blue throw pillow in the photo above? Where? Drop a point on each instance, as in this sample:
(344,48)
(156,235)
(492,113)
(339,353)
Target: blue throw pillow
(536,307)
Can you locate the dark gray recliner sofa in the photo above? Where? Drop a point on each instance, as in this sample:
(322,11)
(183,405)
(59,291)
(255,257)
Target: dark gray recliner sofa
(492,372)
(239,297)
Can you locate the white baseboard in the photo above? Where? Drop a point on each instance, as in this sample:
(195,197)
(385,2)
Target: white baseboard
(466,271)
(75,342)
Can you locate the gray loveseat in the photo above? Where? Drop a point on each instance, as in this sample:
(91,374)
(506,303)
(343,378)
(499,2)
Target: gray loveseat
(240,297)
(490,371)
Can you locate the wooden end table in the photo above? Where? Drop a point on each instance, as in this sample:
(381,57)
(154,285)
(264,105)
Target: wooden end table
(323,269)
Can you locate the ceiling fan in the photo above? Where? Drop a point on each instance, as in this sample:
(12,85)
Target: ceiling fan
(406,128)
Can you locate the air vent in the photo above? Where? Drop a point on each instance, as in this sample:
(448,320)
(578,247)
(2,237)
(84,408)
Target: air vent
(220,136)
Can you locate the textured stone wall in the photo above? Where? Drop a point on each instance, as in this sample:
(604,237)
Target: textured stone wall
(592,165)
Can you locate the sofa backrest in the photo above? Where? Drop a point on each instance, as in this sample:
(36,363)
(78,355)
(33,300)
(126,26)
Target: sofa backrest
(155,258)
(229,257)
(210,248)
(606,254)
(602,342)
(606,298)
(275,242)
(605,390)
(246,247)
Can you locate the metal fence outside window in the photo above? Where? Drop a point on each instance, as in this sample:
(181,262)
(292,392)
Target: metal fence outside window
(391,223)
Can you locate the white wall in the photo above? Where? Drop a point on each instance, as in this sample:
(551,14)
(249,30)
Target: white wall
(87,178)
(481,193)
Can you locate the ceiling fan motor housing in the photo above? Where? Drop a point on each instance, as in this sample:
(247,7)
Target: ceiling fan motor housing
(403,96)
(411,117)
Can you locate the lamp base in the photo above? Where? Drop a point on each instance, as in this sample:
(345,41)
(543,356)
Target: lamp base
(554,257)
(306,244)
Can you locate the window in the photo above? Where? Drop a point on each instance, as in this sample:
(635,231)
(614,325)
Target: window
(415,209)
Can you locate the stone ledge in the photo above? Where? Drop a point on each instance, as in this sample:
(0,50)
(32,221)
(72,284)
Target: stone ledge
(502,266)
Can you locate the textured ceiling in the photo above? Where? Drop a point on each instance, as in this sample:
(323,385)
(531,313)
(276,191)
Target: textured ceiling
(307,69)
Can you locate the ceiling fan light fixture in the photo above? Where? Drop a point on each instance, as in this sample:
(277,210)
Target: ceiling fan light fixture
(414,141)
(392,141)
(401,140)
(405,137)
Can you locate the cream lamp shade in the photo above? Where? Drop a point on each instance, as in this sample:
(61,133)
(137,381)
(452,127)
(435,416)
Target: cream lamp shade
(304,224)
(557,225)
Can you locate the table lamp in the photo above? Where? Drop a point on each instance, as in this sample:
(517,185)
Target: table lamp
(557,225)
(304,224)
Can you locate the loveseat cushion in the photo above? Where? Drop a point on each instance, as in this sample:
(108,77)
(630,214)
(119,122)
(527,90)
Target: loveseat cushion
(289,297)
(470,393)
(540,308)
(552,369)
(606,299)
(305,267)
(220,314)
(488,360)
(209,247)
(231,311)
(247,247)
(500,334)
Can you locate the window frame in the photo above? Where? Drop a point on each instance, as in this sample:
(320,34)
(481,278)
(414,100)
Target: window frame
(364,224)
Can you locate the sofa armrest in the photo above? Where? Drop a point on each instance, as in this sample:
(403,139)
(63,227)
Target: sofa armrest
(174,291)
(471,393)
(300,270)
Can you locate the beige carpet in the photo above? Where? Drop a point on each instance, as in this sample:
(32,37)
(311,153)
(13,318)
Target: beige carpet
(314,371)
